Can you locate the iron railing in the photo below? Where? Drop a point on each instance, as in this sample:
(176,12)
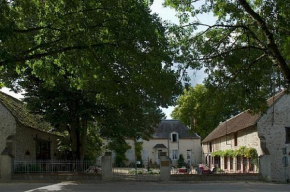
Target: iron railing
(51,166)
(219,168)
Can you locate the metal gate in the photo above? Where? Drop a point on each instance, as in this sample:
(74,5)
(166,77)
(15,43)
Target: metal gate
(141,171)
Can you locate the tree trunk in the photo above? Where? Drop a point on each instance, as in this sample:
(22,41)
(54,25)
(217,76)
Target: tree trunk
(78,136)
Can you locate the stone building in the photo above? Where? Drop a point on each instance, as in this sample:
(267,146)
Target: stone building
(268,134)
(171,137)
(24,135)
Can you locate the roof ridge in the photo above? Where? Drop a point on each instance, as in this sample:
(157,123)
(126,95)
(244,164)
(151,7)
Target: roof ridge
(18,110)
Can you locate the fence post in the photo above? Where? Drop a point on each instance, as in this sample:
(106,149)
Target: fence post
(165,166)
(7,159)
(107,173)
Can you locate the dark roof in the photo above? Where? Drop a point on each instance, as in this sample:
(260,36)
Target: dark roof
(18,110)
(168,126)
(160,146)
(239,122)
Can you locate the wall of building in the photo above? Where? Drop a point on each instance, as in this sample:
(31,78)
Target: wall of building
(247,137)
(7,127)
(25,145)
(272,127)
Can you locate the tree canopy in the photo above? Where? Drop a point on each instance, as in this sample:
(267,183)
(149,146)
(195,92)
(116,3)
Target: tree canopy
(107,62)
(245,52)
(202,111)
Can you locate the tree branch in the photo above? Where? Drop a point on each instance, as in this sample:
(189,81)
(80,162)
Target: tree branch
(277,57)
(226,52)
(62,50)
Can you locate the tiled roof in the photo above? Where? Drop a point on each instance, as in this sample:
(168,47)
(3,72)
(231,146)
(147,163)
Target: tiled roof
(168,126)
(239,122)
(18,110)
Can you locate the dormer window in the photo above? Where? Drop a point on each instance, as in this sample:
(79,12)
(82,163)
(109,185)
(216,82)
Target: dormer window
(174,137)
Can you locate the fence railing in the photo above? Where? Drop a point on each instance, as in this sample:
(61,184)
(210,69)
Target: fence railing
(219,168)
(51,166)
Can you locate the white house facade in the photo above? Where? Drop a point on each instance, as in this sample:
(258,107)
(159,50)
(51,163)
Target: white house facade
(171,137)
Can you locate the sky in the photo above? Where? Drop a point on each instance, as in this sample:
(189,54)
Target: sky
(169,15)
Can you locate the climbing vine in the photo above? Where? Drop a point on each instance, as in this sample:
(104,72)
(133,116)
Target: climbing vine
(242,151)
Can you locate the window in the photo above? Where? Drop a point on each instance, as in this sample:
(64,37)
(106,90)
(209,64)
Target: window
(231,163)
(225,162)
(174,154)
(42,149)
(235,139)
(188,154)
(174,137)
(239,163)
(159,151)
(210,147)
(287,130)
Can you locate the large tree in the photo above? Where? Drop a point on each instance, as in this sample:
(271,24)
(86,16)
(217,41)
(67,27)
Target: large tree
(202,111)
(106,62)
(244,52)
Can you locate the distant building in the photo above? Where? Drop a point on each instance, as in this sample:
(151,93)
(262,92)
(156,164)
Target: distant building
(268,133)
(171,137)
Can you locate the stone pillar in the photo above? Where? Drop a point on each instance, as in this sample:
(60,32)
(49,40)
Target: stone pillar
(7,160)
(235,164)
(165,167)
(107,173)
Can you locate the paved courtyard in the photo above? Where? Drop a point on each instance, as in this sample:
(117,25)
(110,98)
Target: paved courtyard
(144,187)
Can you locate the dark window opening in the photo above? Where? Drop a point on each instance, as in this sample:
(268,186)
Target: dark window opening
(239,162)
(210,147)
(287,130)
(231,163)
(174,137)
(217,161)
(235,139)
(42,150)
(245,162)
(251,165)
(226,162)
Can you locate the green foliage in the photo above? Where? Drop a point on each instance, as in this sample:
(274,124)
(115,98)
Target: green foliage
(94,143)
(203,111)
(218,153)
(180,161)
(138,150)
(242,151)
(84,62)
(251,153)
(244,52)
(119,146)
(230,153)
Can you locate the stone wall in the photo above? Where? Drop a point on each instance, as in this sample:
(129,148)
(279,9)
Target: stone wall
(7,127)
(247,137)
(272,127)
(25,147)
